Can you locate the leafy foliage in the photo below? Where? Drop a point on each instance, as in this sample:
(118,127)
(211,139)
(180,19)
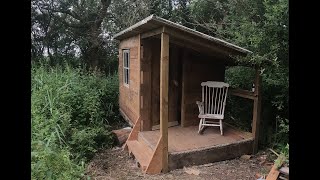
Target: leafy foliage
(262,27)
(80,33)
(283,157)
(239,110)
(72,28)
(71,114)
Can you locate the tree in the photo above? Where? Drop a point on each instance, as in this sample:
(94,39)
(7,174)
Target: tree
(262,27)
(67,25)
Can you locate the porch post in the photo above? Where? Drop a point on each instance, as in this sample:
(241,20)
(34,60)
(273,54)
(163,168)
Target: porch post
(164,86)
(256,111)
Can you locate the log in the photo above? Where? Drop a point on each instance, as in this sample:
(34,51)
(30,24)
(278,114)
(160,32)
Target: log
(122,135)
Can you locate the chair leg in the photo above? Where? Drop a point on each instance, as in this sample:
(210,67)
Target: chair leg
(221,128)
(200,125)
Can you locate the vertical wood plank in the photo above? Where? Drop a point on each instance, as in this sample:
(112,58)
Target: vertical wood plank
(164,86)
(225,99)
(212,112)
(206,104)
(256,111)
(209,107)
(202,93)
(145,86)
(183,89)
(139,70)
(219,96)
(222,101)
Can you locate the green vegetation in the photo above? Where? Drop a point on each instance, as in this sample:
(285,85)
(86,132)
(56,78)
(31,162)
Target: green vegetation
(75,94)
(71,114)
(262,27)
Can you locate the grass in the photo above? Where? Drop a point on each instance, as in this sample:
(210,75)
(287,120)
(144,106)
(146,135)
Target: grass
(71,115)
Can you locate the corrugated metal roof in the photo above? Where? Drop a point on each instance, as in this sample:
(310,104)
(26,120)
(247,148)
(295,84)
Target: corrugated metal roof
(153,22)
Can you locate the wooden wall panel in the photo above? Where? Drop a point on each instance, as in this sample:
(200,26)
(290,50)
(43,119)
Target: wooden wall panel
(155,75)
(174,82)
(129,96)
(146,82)
(175,67)
(197,69)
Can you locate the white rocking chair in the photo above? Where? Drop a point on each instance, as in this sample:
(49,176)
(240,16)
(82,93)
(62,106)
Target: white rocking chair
(211,109)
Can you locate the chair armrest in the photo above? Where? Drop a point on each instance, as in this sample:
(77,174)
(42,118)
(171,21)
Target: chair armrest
(200,106)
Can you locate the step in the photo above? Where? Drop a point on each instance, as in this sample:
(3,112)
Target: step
(141,152)
(141,139)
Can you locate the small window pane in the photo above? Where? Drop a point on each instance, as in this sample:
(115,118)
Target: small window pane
(127,76)
(126,66)
(127,59)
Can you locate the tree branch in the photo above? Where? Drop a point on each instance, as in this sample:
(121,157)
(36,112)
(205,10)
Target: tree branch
(68,12)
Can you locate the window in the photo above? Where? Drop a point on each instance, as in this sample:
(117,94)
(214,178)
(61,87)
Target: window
(126,66)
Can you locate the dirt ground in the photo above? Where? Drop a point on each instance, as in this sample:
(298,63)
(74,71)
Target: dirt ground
(116,164)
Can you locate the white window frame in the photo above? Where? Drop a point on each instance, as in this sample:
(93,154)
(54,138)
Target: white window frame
(124,52)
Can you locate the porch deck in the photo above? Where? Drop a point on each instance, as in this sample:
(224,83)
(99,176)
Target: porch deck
(186,147)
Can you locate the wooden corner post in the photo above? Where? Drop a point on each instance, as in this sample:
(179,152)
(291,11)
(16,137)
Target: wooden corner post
(256,111)
(164,86)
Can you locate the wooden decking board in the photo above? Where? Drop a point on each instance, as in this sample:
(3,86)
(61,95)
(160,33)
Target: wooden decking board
(186,139)
(187,147)
(142,139)
(142,153)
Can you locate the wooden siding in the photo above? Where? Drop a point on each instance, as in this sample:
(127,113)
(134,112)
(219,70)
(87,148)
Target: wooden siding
(129,95)
(146,82)
(196,69)
(175,85)
(174,81)
(155,76)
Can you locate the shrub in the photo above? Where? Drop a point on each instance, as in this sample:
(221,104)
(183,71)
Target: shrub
(71,114)
(238,109)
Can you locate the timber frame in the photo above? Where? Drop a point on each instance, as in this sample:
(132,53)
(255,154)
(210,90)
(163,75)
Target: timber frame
(168,32)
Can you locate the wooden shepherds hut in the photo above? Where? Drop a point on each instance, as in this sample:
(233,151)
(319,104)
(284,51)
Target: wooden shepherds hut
(161,67)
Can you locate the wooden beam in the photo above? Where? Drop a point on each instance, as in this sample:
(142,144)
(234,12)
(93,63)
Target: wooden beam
(185,44)
(152,33)
(155,164)
(196,41)
(164,86)
(243,93)
(256,111)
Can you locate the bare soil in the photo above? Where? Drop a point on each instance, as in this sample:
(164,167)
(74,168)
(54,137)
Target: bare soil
(116,164)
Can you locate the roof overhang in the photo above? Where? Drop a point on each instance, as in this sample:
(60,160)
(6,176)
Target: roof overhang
(153,25)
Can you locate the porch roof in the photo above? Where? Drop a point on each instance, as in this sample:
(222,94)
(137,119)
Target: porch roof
(153,22)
